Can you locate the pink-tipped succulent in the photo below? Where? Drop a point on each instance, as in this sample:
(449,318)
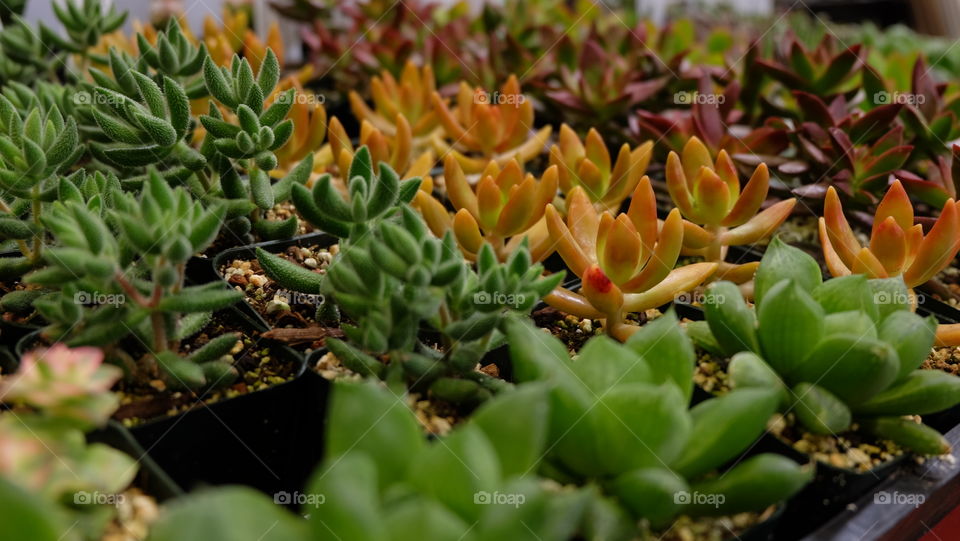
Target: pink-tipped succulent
(504,208)
(71,383)
(898,247)
(488,126)
(587,164)
(718,214)
(626,262)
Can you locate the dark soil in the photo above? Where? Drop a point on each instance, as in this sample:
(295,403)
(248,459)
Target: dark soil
(849,450)
(256,363)
(280,212)
(574,331)
(712,528)
(290,314)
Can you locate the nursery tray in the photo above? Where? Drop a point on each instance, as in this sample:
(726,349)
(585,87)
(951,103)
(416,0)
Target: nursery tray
(150,477)
(893,510)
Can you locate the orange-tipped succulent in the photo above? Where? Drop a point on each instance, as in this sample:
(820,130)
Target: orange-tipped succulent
(411,97)
(309,128)
(587,164)
(505,208)
(395,150)
(626,262)
(718,214)
(897,247)
(484,127)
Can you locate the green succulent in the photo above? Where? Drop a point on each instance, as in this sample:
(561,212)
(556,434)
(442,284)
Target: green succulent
(85,22)
(619,417)
(35,148)
(25,57)
(145,127)
(174,56)
(248,144)
(371,197)
(399,279)
(383,480)
(127,256)
(837,351)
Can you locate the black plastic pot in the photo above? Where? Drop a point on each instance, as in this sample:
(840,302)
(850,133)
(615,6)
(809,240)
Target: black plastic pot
(274,246)
(831,490)
(209,268)
(10,332)
(150,477)
(269,439)
(764,531)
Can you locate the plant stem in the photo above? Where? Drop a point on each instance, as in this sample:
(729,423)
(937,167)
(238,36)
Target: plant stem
(36,210)
(715,251)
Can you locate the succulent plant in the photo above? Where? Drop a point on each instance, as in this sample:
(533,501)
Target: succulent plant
(718,214)
(597,79)
(119,265)
(411,97)
(484,127)
(170,52)
(26,57)
(503,211)
(838,351)
(85,22)
(35,148)
(53,398)
(824,71)
(399,277)
(249,143)
(897,247)
(626,262)
(371,196)
(929,111)
(309,127)
(470,484)
(587,164)
(65,383)
(396,150)
(646,447)
(853,151)
(144,120)
(942,182)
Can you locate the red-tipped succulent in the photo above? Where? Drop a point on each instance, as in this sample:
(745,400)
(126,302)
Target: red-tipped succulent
(626,262)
